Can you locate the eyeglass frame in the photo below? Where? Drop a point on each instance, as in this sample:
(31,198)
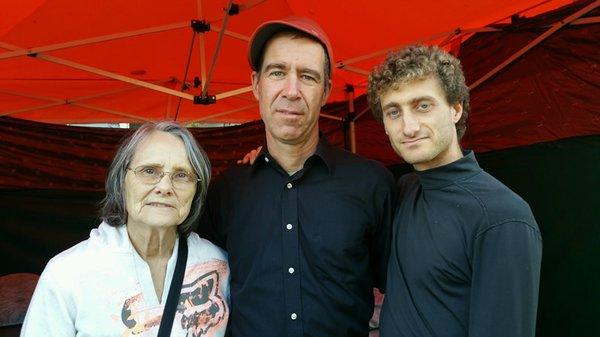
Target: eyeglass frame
(162,174)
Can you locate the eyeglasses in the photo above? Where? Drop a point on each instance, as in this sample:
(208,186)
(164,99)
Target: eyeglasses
(152,175)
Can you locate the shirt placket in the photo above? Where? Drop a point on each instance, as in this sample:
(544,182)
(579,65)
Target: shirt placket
(291,259)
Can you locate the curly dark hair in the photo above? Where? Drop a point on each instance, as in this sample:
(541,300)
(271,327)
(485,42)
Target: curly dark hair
(416,63)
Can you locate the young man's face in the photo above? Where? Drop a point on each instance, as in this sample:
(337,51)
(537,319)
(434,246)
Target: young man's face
(290,89)
(421,123)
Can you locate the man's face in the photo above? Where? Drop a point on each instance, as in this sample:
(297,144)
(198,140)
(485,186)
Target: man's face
(421,123)
(290,89)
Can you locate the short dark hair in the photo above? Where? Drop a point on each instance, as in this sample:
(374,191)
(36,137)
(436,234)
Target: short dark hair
(298,34)
(113,210)
(416,63)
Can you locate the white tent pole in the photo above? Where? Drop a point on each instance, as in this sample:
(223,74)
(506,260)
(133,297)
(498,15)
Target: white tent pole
(356,70)
(92,40)
(75,99)
(450,37)
(522,11)
(110,111)
(344,63)
(115,76)
(217,50)
(104,73)
(229,33)
(331,117)
(37,107)
(111,37)
(586,21)
(87,106)
(127,79)
(555,27)
(228,112)
(233,92)
(115,91)
(41,98)
(57,102)
(360,114)
(202,46)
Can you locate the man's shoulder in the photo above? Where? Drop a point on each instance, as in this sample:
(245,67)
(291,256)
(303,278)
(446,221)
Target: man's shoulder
(233,175)
(347,161)
(499,202)
(407,182)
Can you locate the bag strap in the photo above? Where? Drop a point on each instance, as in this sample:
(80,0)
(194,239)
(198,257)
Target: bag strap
(166,323)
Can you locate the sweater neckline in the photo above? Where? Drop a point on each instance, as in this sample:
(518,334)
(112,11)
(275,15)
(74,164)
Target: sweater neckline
(448,174)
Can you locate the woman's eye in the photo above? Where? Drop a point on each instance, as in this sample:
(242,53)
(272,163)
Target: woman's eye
(181,175)
(149,170)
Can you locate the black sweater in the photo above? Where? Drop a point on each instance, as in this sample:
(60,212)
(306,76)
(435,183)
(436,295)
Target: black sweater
(465,258)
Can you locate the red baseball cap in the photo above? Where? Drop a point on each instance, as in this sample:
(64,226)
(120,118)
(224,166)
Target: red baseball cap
(265,31)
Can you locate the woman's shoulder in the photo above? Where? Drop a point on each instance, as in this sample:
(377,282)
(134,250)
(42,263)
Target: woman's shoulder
(68,264)
(204,248)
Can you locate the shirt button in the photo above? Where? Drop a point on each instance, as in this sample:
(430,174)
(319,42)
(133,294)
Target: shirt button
(266,159)
(289,226)
(293,316)
(291,270)
(289,185)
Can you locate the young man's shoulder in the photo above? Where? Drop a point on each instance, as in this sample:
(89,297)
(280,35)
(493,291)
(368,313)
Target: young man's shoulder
(499,202)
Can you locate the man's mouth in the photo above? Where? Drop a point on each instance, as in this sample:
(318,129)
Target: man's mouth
(289,112)
(412,141)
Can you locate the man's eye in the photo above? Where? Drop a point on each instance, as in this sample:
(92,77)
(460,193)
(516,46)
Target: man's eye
(308,78)
(393,114)
(276,73)
(423,106)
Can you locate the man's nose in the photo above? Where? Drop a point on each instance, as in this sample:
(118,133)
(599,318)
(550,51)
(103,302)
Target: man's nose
(411,124)
(292,87)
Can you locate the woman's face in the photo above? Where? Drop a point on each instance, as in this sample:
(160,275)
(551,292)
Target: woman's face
(160,204)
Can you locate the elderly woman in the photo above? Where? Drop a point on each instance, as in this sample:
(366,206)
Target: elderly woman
(118,282)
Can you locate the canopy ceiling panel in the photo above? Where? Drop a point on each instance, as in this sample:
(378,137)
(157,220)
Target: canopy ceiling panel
(82,48)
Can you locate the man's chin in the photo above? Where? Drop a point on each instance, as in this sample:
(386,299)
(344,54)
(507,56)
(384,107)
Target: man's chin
(413,157)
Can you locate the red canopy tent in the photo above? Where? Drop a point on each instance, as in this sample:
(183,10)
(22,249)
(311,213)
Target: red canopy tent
(66,61)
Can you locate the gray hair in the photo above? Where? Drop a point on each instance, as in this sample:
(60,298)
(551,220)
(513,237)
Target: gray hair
(113,210)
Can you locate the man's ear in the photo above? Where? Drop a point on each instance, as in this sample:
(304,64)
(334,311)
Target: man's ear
(457,110)
(255,78)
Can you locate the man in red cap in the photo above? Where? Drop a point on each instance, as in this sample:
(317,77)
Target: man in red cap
(306,226)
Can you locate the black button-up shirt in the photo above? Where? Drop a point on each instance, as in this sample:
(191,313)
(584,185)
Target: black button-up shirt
(305,250)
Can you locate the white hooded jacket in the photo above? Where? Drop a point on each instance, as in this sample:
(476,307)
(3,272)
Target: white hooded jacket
(102,287)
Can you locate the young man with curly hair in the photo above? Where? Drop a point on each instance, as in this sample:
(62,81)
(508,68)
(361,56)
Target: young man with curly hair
(466,250)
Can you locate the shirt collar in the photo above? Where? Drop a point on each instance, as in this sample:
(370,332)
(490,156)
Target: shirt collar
(448,174)
(324,152)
